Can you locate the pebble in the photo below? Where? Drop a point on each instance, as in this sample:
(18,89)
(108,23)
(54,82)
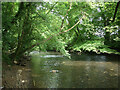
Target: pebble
(111,69)
(1,88)
(105,72)
(9,65)
(63,62)
(19,71)
(54,71)
(24,81)
(116,74)
(15,62)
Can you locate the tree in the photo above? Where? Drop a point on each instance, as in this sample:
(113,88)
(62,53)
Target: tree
(59,26)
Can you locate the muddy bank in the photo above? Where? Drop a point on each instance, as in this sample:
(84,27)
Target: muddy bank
(16,76)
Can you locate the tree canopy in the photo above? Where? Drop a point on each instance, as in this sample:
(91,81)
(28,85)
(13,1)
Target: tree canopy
(60,26)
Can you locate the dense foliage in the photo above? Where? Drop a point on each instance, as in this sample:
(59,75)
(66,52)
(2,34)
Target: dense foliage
(60,26)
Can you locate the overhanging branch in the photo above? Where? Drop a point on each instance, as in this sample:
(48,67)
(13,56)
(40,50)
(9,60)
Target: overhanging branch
(51,36)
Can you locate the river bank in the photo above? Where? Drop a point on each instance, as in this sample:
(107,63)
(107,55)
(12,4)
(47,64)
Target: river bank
(16,76)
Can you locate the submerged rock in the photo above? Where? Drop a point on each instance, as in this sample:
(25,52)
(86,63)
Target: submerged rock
(54,71)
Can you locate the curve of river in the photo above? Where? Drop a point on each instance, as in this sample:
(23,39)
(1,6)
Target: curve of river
(52,70)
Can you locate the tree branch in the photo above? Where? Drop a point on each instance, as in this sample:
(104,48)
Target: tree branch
(106,23)
(51,37)
(65,17)
(115,11)
(51,8)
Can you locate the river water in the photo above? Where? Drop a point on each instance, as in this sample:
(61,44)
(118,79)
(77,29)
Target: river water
(52,70)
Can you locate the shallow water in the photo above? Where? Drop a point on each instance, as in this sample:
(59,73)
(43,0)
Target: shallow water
(52,70)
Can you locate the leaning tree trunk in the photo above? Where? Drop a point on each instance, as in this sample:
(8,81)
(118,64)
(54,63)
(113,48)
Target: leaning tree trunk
(25,33)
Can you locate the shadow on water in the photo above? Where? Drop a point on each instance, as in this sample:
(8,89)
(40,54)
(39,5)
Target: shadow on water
(52,70)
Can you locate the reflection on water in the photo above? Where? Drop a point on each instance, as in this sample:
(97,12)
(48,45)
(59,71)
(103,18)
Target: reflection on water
(52,70)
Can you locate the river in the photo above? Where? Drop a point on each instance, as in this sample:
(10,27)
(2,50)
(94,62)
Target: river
(53,70)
